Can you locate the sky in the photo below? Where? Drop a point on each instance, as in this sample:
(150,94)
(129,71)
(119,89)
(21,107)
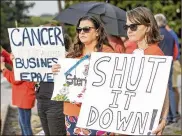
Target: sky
(42,7)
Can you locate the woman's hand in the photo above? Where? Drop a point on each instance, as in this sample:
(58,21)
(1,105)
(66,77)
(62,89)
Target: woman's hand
(12,56)
(160,128)
(55,68)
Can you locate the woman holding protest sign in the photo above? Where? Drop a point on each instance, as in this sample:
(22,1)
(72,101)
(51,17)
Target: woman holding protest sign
(142,28)
(91,37)
(23,94)
(50,112)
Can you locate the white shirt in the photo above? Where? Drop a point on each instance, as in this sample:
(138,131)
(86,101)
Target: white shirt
(138,51)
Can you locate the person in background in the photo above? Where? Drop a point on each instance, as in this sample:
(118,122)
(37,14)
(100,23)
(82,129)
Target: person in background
(91,37)
(117,43)
(121,44)
(176,71)
(142,28)
(68,43)
(23,95)
(169,47)
(130,46)
(50,112)
(175,38)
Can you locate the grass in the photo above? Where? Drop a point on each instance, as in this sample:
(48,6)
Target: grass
(178,132)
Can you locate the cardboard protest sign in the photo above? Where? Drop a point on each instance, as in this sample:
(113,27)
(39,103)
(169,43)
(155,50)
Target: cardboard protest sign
(36,49)
(70,87)
(125,93)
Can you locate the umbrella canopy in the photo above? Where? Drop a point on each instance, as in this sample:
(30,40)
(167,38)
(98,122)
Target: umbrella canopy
(111,16)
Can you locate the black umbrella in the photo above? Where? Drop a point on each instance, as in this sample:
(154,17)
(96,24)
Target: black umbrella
(112,17)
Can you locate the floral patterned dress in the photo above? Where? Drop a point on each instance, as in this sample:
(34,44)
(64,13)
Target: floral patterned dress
(72,130)
(70,121)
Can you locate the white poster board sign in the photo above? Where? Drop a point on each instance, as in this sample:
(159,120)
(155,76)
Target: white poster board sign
(36,49)
(70,87)
(125,93)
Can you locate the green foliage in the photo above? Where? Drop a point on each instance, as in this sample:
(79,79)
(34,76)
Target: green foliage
(12,11)
(167,7)
(37,21)
(178,132)
(61,97)
(15,11)
(70,30)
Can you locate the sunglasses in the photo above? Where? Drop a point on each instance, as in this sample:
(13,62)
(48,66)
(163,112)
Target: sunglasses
(85,29)
(133,27)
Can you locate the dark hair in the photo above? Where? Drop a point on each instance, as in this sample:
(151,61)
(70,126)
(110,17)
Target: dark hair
(67,42)
(144,16)
(102,37)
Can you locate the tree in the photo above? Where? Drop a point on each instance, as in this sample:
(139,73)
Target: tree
(13,11)
(59,6)
(170,8)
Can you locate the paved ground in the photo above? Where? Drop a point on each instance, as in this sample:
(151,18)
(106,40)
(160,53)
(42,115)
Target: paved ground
(175,128)
(11,125)
(5,99)
(5,91)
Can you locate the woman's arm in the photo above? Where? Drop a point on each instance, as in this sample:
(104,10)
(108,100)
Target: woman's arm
(164,114)
(165,108)
(9,75)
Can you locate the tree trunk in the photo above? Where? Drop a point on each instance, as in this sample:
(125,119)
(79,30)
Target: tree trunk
(59,6)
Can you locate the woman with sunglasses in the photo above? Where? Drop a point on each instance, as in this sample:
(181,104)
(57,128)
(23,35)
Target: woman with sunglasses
(91,37)
(142,28)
